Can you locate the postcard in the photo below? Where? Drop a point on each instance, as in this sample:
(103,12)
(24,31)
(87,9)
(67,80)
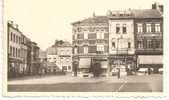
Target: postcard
(84,48)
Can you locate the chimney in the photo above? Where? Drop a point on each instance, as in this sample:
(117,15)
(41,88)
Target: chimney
(158,7)
(10,22)
(154,6)
(16,26)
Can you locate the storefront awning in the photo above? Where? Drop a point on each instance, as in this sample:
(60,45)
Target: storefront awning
(84,63)
(103,64)
(150,59)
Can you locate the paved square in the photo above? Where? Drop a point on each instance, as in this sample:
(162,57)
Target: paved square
(151,83)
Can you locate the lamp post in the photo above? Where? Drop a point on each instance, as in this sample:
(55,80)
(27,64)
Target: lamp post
(118,63)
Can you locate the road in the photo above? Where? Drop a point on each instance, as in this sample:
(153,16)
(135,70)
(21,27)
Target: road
(151,83)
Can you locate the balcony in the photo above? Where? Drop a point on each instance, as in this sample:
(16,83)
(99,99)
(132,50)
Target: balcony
(120,51)
(150,34)
(149,51)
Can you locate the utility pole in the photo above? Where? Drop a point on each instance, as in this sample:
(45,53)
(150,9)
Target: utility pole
(118,59)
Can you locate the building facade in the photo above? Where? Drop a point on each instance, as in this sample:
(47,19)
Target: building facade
(90,46)
(35,61)
(122,40)
(19,52)
(61,56)
(14,50)
(64,58)
(149,39)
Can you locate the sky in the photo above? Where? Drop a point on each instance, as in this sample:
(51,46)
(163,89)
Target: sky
(44,21)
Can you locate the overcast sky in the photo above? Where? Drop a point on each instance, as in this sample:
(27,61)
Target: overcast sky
(46,20)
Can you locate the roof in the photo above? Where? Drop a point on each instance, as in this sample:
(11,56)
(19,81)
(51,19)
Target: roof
(96,19)
(147,13)
(131,13)
(137,13)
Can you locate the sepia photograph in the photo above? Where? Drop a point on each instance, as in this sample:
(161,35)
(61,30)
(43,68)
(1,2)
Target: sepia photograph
(91,47)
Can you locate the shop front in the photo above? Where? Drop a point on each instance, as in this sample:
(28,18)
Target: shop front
(84,67)
(100,67)
(122,65)
(150,61)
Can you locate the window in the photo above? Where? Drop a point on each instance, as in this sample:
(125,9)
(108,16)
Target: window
(78,29)
(149,44)
(129,45)
(157,44)
(100,47)
(16,52)
(100,35)
(75,35)
(67,60)
(85,50)
(11,36)
(157,27)
(124,28)
(85,36)
(139,28)
(113,44)
(117,28)
(75,51)
(69,67)
(140,44)
(10,50)
(148,27)
(13,52)
(14,37)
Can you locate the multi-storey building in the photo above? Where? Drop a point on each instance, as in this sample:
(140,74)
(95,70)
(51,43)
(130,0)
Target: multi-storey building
(19,52)
(61,55)
(122,40)
(14,49)
(24,54)
(35,61)
(148,27)
(90,45)
(64,61)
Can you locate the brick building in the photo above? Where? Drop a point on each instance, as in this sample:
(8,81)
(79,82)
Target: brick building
(123,40)
(90,45)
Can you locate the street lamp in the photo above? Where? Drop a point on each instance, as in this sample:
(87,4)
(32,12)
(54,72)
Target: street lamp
(118,63)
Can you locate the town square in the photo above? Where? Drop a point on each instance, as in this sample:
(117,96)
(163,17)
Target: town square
(118,51)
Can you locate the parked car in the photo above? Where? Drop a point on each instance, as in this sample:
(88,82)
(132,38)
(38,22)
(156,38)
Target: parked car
(160,70)
(114,71)
(85,74)
(142,71)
